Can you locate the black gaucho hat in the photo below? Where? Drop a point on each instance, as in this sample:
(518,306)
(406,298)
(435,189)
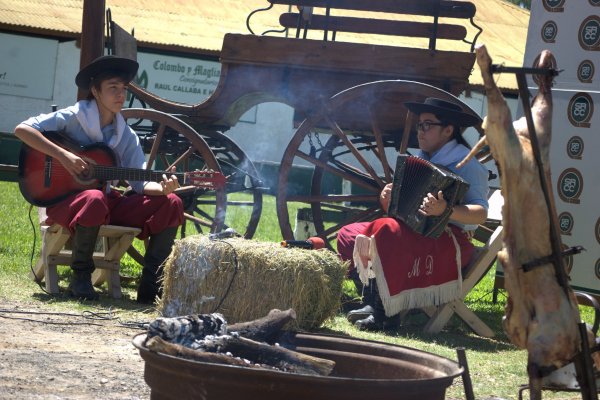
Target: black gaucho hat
(445,110)
(105,63)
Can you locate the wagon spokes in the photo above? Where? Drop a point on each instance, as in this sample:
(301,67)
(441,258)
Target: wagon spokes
(169,142)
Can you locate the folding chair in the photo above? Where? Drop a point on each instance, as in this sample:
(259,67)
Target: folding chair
(482,261)
(115,242)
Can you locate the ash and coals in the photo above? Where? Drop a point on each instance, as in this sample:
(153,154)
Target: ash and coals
(188,330)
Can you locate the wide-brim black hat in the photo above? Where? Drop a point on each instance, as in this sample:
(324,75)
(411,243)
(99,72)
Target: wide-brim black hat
(106,63)
(445,110)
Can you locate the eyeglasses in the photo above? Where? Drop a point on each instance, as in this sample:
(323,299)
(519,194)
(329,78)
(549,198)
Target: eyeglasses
(426,125)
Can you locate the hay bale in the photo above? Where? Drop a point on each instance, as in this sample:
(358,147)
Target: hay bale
(249,278)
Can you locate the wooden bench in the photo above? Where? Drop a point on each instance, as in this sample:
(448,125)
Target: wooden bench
(115,240)
(483,259)
(307,19)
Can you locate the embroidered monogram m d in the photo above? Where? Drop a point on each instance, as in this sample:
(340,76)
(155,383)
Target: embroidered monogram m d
(416,268)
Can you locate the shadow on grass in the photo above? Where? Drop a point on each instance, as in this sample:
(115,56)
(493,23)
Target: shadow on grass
(455,334)
(126,303)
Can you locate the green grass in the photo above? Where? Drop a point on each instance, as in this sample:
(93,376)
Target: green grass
(497,367)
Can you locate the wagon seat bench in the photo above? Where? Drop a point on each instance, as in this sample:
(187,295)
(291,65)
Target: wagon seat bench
(306,19)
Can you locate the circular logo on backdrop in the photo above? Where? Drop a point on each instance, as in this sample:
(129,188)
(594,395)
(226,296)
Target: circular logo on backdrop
(570,185)
(565,223)
(597,230)
(554,5)
(575,147)
(549,32)
(595,3)
(553,65)
(597,268)
(581,109)
(585,71)
(589,33)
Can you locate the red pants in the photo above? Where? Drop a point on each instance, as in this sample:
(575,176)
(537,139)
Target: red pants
(152,214)
(345,240)
(347,236)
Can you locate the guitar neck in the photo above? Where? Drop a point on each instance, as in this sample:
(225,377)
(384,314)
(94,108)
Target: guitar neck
(108,173)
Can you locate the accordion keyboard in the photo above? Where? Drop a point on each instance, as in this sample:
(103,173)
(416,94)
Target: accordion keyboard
(414,177)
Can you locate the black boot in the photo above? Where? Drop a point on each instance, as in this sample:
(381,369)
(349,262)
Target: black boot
(360,313)
(369,296)
(157,252)
(377,320)
(82,262)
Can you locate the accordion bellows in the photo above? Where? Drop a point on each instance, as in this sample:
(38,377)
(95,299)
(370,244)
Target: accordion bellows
(414,177)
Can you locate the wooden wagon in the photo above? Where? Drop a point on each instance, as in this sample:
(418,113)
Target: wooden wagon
(347,98)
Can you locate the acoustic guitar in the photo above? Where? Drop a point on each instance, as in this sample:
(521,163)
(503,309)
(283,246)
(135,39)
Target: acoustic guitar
(43,181)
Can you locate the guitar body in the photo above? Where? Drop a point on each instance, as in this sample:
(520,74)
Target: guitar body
(44,181)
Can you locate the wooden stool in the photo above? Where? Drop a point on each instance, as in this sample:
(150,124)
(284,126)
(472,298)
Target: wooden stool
(115,242)
(490,233)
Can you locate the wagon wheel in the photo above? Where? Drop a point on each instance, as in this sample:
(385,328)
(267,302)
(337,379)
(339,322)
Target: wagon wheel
(244,185)
(167,141)
(364,126)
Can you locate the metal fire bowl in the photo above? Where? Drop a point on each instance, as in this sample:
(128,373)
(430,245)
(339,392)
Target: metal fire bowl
(364,370)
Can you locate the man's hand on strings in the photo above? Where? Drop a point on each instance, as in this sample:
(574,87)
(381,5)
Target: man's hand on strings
(75,165)
(169,184)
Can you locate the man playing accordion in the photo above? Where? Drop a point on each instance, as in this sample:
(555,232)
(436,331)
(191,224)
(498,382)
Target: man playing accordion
(396,268)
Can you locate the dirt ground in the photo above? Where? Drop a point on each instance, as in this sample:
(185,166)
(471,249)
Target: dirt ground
(66,356)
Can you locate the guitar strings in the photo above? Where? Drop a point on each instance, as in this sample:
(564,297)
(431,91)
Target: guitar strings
(108,172)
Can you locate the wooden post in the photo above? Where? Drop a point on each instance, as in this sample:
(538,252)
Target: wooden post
(92,35)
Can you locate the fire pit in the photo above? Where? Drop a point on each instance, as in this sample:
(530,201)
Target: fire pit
(363,369)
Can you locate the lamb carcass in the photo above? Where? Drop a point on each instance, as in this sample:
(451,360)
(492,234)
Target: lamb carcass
(541,313)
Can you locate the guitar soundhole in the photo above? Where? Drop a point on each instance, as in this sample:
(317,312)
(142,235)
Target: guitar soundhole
(86,178)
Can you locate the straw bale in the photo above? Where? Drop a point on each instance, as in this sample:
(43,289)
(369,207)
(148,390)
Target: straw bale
(245,279)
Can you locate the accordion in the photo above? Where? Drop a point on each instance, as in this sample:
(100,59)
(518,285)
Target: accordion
(414,177)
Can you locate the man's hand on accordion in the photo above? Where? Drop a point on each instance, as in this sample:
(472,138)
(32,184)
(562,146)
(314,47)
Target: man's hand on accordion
(385,197)
(433,206)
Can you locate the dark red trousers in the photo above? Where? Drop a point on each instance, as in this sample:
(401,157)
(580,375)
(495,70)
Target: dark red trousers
(347,236)
(152,214)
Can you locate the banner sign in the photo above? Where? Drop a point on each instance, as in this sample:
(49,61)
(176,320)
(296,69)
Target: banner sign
(180,79)
(27,66)
(571,31)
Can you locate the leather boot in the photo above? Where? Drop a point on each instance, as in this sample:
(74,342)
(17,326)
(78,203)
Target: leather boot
(82,262)
(157,252)
(369,296)
(377,321)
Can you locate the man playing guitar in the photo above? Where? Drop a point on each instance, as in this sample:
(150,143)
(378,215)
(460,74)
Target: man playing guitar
(153,208)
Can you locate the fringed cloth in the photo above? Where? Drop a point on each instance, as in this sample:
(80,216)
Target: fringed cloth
(411,270)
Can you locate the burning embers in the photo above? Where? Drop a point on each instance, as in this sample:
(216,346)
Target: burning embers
(207,338)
